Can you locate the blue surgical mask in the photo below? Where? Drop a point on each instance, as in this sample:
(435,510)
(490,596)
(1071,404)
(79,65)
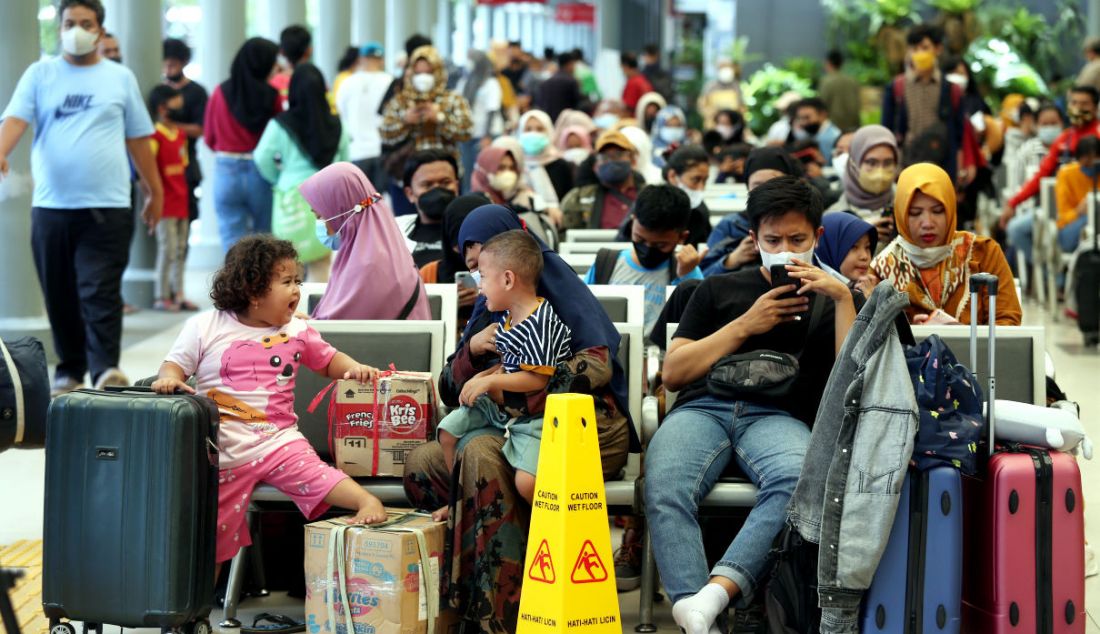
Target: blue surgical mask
(533,143)
(1048,133)
(606,120)
(1091,171)
(331,242)
(671,134)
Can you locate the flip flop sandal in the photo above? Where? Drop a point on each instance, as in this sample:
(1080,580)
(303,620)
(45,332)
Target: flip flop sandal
(275,624)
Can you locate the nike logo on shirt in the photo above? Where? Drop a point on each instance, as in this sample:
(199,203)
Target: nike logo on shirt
(73,104)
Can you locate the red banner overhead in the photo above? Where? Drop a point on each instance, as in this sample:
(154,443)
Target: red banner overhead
(575,13)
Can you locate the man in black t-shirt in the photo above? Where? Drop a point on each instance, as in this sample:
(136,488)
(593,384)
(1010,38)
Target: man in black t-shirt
(737,313)
(177,55)
(431,183)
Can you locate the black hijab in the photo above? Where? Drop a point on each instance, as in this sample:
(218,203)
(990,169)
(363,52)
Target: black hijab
(771,158)
(309,118)
(453,216)
(251,99)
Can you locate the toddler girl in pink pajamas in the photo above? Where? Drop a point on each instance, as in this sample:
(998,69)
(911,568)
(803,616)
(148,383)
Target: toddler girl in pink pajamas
(245,357)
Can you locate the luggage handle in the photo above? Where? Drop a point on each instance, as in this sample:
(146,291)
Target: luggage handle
(990,283)
(141,389)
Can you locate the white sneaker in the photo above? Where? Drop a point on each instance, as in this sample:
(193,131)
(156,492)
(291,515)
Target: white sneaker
(111,377)
(64,385)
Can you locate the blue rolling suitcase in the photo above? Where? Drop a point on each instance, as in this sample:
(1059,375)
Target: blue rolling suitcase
(918,585)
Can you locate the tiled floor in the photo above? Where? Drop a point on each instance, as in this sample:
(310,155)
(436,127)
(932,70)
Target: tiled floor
(21,472)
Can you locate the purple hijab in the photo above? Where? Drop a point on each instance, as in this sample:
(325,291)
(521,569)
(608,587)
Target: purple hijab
(373,275)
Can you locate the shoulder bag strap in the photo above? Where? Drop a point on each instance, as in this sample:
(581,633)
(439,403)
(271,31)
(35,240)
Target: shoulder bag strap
(411,304)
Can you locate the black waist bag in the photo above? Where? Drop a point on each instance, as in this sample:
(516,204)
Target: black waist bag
(24,393)
(760,373)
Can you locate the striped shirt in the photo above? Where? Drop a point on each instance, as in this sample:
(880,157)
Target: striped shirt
(536,344)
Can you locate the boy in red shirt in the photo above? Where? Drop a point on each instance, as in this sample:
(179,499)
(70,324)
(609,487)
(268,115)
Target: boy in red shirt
(170,149)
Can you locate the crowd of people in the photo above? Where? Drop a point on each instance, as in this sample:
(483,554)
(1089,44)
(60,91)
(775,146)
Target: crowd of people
(380,183)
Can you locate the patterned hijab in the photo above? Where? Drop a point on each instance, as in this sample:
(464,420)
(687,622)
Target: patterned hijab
(902,262)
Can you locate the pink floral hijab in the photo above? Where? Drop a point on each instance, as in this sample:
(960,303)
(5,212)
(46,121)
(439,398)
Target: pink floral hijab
(373,275)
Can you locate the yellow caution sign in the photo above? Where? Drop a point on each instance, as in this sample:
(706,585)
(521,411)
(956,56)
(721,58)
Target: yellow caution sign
(569,576)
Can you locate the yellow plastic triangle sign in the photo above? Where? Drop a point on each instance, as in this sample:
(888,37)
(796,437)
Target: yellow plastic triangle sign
(569,584)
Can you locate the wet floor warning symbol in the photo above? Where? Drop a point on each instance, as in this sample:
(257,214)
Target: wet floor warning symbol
(589,567)
(542,566)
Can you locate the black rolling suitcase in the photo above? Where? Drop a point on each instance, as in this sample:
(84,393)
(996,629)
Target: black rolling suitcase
(131,508)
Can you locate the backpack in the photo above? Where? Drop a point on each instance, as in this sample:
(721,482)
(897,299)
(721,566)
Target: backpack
(791,601)
(24,393)
(933,145)
(950,402)
(605,265)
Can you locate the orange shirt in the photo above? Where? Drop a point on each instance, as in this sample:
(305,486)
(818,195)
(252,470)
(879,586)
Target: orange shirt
(1071,187)
(170,150)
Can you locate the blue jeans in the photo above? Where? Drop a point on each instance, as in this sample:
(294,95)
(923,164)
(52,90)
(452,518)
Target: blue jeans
(242,199)
(1069,236)
(683,462)
(467,153)
(1020,233)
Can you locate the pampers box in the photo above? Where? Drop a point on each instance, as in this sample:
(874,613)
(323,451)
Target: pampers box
(384,580)
(404,404)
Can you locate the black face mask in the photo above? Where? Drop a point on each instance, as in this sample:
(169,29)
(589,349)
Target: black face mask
(651,257)
(434,202)
(177,115)
(613,173)
(175,79)
(812,128)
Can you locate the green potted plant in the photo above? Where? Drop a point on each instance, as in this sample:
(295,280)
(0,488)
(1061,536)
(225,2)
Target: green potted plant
(959,22)
(763,88)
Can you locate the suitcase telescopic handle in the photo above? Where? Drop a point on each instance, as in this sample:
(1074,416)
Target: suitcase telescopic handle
(141,389)
(988,281)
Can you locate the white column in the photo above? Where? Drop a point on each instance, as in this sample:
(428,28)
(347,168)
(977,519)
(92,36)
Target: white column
(279,15)
(400,24)
(425,17)
(513,13)
(21,308)
(221,33)
(500,24)
(464,31)
(368,21)
(539,25)
(527,28)
(483,27)
(443,33)
(332,37)
(137,25)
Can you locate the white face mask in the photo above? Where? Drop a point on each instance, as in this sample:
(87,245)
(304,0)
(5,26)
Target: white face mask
(958,79)
(672,135)
(576,155)
(504,182)
(726,75)
(423,82)
(694,195)
(840,165)
(78,42)
(783,257)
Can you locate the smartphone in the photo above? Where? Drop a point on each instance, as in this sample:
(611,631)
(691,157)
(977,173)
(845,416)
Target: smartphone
(782,277)
(465,280)
(888,212)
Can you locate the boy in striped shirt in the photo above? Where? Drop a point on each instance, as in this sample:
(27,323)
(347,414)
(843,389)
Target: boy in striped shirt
(531,342)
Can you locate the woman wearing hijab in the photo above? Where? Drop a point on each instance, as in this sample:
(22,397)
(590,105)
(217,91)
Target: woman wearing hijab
(425,113)
(845,250)
(644,166)
(482,91)
(669,133)
(490,521)
(575,144)
(932,261)
(869,173)
(551,176)
(373,275)
(722,93)
(499,174)
(646,112)
(575,118)
(295,145)
(236,115)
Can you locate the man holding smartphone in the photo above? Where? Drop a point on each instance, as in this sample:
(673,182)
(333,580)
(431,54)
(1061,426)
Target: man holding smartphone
(746,311)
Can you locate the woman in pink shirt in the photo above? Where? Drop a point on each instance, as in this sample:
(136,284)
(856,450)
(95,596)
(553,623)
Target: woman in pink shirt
(236,116)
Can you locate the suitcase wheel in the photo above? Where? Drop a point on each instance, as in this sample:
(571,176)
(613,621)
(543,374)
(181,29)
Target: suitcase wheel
(202,626)
(61,628)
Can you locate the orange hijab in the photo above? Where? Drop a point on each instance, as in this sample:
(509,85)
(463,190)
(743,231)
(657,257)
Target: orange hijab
(930,275)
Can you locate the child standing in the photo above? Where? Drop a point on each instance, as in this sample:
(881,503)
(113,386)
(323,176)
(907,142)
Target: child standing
(531,341)
(245,356)
(659,226)
(170,150)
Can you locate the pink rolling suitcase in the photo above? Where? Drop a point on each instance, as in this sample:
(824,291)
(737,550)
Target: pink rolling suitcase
(1023,527)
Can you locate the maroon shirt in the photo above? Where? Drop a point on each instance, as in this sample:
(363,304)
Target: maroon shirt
(614,210)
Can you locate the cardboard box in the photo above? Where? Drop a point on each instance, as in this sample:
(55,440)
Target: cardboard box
(385,583)
(406,408)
